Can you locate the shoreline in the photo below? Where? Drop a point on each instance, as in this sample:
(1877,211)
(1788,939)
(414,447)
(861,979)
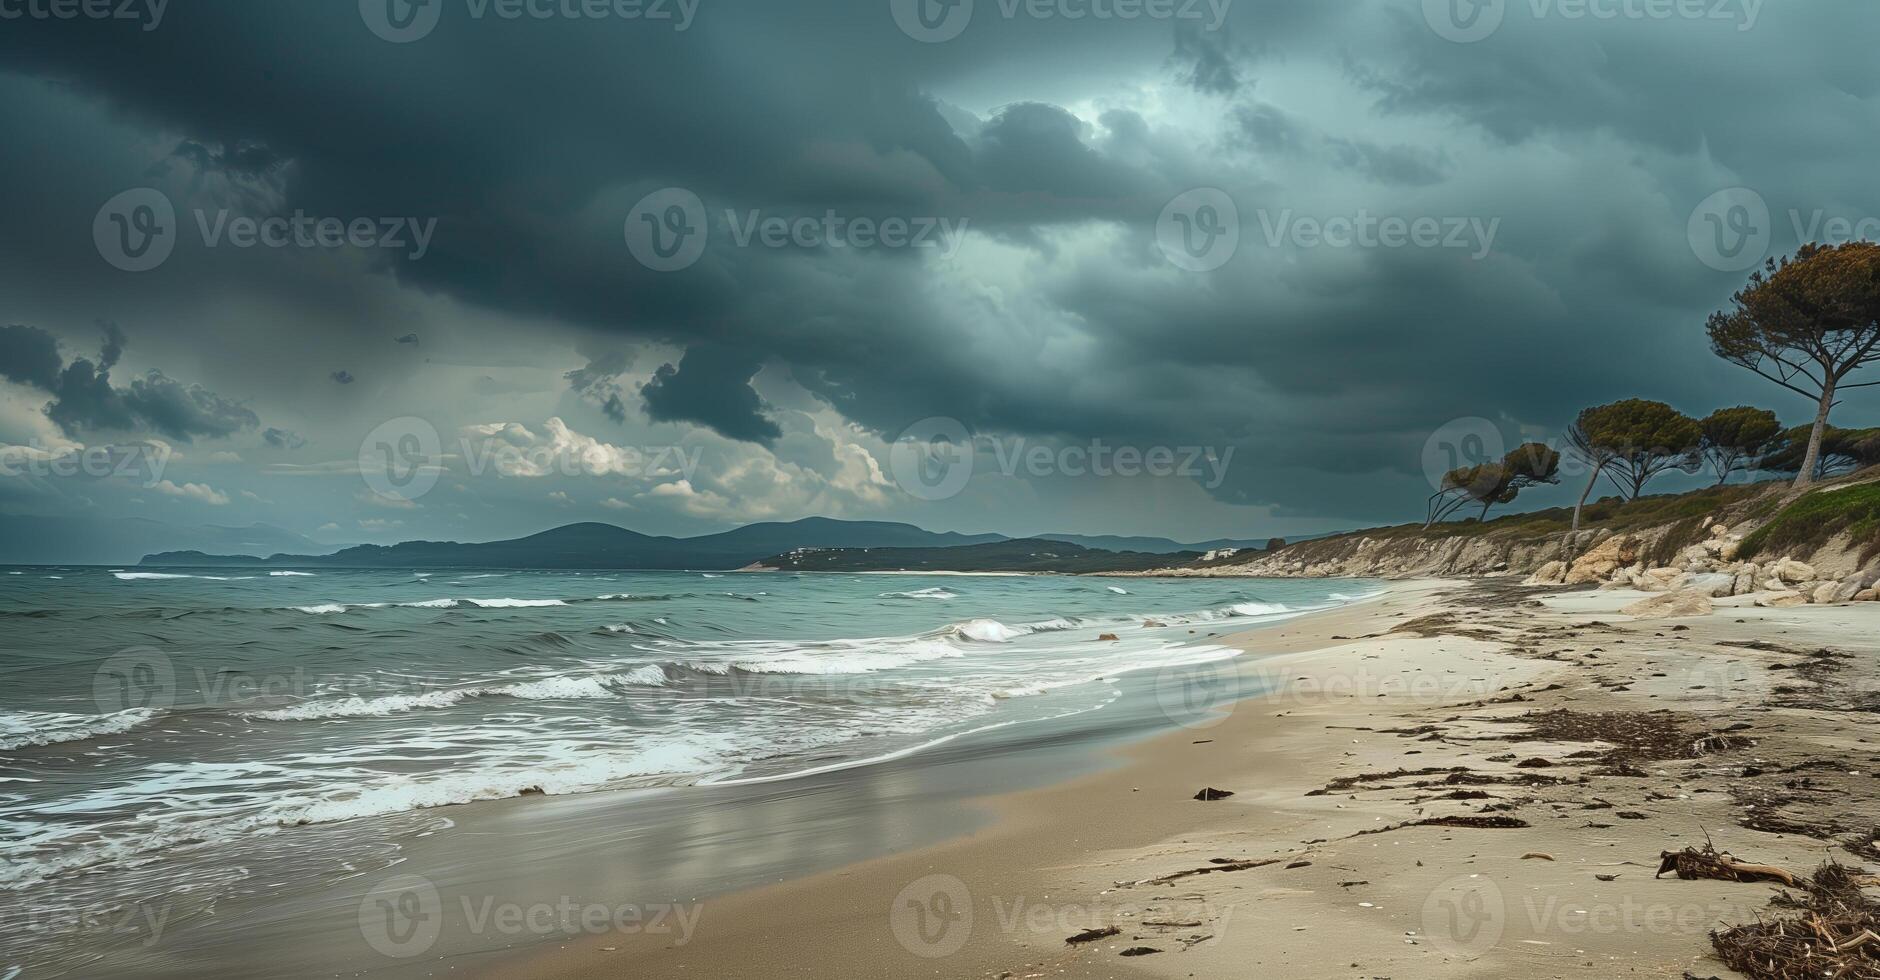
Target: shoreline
(1354,716)
(1018,822)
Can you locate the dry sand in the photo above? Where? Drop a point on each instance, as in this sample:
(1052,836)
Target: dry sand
(1384,713)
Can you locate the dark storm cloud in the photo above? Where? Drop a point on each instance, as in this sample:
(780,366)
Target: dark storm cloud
(85,399)
(712,386)
(530,141)
(29,356)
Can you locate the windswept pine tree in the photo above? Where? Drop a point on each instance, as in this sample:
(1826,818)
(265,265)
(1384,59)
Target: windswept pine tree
(1807,324)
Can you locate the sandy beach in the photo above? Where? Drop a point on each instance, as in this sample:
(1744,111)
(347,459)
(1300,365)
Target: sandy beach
(1395,812)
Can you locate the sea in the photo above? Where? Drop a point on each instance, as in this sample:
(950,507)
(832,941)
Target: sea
(223,736)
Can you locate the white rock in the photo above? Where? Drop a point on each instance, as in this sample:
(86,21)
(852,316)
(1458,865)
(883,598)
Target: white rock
(1713,584)
(1790,570)
(1782,599)
(1671,605)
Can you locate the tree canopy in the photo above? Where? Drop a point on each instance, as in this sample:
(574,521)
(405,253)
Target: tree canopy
(1494,483)
(1841,451)
(1806,324)
(1739,439)
(1633,440)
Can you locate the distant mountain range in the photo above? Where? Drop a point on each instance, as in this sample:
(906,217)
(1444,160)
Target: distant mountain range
(593,545)
(1022,555)
(126,540)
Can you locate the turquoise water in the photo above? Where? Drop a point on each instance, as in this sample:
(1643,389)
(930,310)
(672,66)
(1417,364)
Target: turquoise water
(223,733)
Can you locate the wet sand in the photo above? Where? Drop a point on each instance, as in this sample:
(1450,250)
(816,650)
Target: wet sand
(1314,867)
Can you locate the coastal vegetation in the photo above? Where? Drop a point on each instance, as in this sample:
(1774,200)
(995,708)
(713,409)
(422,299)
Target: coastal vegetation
(1807,324)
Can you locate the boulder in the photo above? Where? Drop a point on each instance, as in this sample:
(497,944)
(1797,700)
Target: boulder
(1605,558)
(1790,570)
(1659,579)
(1745,580)
(1782,599)
(1730,550)
(1718,531)
(1866,595)
(1825,593)
(1716,585)
(1549,574)
(1671,605)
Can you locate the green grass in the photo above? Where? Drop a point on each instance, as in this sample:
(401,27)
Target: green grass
(1817,517)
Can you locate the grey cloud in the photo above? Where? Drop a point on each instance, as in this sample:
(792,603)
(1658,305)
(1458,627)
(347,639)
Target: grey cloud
(29,356)
(1207,58)
(84,398)
(712,386)
(284,438)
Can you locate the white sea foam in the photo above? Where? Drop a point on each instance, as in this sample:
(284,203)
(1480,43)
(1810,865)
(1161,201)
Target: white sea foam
(988,631)
(323,609)
(1119,591)
(933,593)
(291,574)
(21,729)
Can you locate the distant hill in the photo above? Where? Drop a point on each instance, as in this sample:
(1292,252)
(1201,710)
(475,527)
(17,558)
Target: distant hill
(1161,546)
(594,545)
(1023,555)
(123,541)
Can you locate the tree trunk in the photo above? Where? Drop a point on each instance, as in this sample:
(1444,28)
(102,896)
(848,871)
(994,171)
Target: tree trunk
(1813,457)
(1485,506)
(1566,547)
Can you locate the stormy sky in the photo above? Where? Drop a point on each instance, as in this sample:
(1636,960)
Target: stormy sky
(679,266)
